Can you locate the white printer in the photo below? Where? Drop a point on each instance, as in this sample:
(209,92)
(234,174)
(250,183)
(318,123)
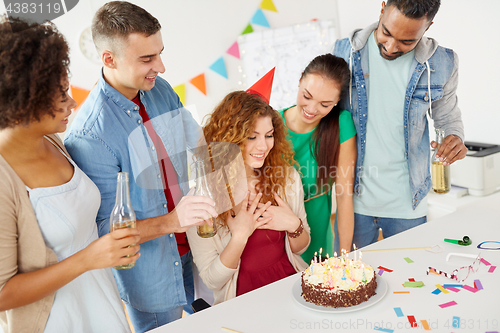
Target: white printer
(479,171)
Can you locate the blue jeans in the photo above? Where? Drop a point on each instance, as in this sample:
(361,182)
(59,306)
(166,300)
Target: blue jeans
(145,321)
(366,228)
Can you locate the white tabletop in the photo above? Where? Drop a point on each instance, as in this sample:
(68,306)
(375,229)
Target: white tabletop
(273,309)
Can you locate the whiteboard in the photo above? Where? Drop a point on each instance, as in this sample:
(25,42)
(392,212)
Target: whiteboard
(288,49)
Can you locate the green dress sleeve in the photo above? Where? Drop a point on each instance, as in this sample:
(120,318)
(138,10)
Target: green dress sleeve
(346,126)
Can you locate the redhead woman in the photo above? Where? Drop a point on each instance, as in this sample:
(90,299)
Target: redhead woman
(250,251)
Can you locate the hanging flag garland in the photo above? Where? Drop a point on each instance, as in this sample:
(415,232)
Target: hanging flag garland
(234,50)
(248,29)
(180,90)
(219,66)
(199,82)
(79,95)
(260,19)
(268,5)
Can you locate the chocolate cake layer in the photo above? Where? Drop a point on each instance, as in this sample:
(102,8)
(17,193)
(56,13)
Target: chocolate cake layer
(336,298)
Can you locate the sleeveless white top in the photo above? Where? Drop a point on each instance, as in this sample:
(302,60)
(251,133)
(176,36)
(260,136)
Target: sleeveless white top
(66,215)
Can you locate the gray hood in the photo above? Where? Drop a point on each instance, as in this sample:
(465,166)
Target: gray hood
(423,51)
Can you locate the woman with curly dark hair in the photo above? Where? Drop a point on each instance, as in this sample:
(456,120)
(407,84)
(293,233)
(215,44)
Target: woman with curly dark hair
(250,251)
(54,271)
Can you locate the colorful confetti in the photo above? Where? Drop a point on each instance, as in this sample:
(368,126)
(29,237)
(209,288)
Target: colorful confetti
(437,291)
(478,285)
(387,330)
(445,305)
(408,260)
(484,261)
(425,324)
(416,284)
(492,269)
(380,272)
(469,288)
(401,292)
(453,289)
(411,279)
(399,312)
(442,289)
(385,269)
(453,285)
(456,322)
(412,321)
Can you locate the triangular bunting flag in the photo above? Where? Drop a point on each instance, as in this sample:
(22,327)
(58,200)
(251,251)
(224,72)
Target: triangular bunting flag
(180,90)
(234,50)
(268,5)
(260,19)
(248,29)
(264,86)
(199,82)
(79,95)
(219,67)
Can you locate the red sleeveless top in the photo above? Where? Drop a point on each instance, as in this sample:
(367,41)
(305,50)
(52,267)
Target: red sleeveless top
(263,261)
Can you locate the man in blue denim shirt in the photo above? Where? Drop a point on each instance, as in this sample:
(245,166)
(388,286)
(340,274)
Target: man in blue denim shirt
(108,136)
(397,77)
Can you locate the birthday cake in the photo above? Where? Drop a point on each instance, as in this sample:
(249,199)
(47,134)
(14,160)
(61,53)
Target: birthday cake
(338,282)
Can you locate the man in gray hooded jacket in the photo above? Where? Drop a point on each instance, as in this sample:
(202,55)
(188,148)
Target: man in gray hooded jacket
(398,76)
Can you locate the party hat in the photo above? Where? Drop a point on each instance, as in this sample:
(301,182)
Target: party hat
(263,86)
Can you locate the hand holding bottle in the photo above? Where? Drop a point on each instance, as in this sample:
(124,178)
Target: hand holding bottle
(118,248)
(193,210)
(452,149)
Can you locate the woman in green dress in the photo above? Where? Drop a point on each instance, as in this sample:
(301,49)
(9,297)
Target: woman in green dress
(324,140)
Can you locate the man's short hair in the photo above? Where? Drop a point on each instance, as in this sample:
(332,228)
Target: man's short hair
(417,9)
(116,20)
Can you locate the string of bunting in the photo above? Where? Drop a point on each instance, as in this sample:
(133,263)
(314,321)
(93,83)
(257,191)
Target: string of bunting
(219,65)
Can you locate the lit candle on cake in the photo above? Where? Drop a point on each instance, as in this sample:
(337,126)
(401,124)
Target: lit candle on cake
(364,277)
(343,272)
(320,251)
(312,261)
(330,280)
(315,256)
(354,245)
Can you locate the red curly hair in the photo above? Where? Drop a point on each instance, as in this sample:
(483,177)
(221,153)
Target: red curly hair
(233,120)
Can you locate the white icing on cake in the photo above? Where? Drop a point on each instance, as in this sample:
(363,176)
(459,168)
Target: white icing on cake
(339,273)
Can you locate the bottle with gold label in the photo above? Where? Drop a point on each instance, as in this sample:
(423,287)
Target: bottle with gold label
(440,172)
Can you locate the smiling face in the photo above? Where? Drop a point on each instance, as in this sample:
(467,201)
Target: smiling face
(316,98)
(63,106)
(135,65)
(397,34)
(259,143)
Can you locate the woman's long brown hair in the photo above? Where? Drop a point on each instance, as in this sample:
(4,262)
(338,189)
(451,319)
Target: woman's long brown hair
(325,143)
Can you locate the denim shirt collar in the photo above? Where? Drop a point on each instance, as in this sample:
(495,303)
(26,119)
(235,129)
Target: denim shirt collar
(124,103)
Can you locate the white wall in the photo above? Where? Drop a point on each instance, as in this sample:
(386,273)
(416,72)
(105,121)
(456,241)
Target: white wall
(197,32)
